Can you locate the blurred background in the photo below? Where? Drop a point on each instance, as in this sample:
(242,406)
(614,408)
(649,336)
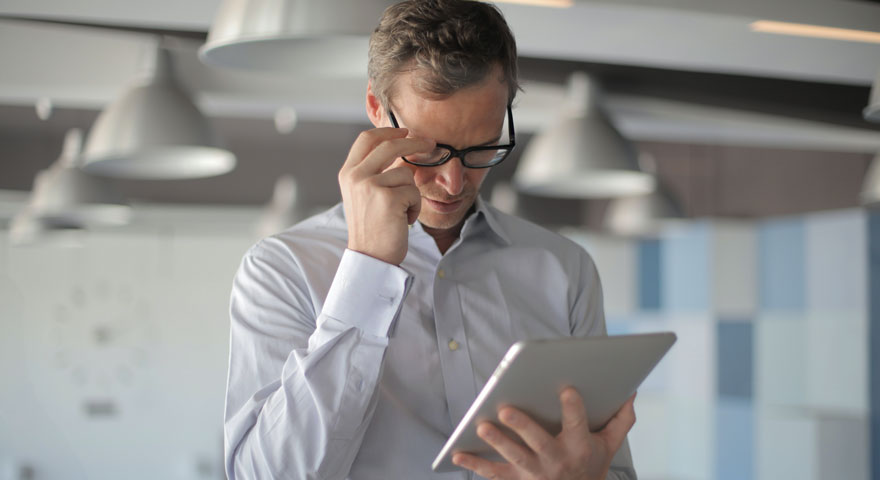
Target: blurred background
(714,157)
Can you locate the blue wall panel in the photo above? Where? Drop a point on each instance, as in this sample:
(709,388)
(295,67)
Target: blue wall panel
(686,277)
(649,278)
(735,440)
(735,360)
(781,266)
(874,329)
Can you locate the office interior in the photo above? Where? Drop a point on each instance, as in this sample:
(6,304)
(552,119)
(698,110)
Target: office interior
(753,231)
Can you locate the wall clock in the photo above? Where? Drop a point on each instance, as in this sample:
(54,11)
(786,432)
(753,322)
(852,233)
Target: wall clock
(103,336)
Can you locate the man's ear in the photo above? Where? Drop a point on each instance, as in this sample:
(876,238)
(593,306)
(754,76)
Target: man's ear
(375,110)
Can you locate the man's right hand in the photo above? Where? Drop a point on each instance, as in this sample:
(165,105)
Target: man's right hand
(380,202)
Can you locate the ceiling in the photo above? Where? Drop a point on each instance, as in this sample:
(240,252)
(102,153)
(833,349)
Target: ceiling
(676,72)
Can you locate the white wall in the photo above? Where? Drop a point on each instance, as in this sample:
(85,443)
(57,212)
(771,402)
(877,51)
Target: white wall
(158,295)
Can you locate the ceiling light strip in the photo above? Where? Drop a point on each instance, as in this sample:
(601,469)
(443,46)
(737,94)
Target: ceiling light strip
(815,31)
(541,3)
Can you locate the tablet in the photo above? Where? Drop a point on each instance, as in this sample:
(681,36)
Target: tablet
(606,371)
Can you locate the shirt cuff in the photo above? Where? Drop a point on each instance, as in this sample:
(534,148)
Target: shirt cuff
(367,293)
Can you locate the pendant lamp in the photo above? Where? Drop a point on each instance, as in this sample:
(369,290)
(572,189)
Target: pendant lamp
(872,111)
(505,198)
(641,215)
(582,155)
(284,210)
(27,229)
(871,186)
(322,37)
(154,131)
(63,195)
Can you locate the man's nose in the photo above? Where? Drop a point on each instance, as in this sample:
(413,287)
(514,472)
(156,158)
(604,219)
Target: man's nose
(450,175)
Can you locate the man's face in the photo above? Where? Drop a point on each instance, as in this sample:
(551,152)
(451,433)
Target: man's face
(471,116)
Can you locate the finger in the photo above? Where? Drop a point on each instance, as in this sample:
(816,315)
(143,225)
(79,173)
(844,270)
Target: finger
(368,140)
(412,202)
(396,177)
(481,466)
(541,442)
(574,414)
(514,453)
(390,150)
(620,424)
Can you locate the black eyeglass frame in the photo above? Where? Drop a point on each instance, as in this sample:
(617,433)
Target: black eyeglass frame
(462,154)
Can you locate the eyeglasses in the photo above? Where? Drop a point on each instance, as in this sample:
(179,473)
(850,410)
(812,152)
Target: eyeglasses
(471,157)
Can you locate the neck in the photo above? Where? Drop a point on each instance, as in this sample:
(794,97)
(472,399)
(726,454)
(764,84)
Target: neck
(445,237)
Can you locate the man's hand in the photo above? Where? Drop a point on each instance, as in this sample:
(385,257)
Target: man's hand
(575,453)
(380,202)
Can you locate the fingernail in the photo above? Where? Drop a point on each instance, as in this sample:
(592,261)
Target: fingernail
(510,416)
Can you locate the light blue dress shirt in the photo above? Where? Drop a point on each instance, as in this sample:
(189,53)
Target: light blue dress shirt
(342,366)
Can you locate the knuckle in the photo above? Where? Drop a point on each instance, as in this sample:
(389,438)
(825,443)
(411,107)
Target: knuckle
(366,135)
(544,445)
(519,460)
(385,195)
(576,423)
(369,183)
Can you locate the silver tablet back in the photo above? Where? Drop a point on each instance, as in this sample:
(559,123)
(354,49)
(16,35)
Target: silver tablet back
(606,371)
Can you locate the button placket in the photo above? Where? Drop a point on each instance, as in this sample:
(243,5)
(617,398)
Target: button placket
(455,360)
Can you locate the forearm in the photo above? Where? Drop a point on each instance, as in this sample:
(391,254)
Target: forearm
(312,424)
(298,403)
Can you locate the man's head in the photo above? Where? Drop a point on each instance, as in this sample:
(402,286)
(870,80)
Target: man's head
(449,44)
(447,69)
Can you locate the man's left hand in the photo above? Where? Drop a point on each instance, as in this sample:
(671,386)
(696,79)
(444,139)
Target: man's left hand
(575,453)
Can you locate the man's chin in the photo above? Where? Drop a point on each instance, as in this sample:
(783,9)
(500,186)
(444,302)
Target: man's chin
(440,221)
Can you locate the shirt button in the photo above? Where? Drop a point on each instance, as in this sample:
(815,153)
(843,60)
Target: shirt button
(453,345)
(441,273)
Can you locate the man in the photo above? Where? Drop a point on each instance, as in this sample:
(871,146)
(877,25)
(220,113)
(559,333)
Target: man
(360,337)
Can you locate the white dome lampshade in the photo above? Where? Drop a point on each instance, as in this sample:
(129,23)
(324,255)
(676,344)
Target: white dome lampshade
(505,198)
(641,215)
(284,210)
(65,196)
(583,155)
(154,131)
(323,37)
(871,186)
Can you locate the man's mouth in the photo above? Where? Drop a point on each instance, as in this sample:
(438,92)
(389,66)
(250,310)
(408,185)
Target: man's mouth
(444,207)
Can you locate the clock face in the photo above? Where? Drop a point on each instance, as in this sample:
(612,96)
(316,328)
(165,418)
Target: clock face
(103,336)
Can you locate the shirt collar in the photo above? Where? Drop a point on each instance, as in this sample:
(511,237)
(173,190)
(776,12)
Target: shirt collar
(483,214)
(490,215)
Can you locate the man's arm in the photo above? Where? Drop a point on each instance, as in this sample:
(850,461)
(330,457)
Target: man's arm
(301,387)
(302,384)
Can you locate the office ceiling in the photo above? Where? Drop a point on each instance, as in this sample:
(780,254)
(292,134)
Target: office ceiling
(676,72)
